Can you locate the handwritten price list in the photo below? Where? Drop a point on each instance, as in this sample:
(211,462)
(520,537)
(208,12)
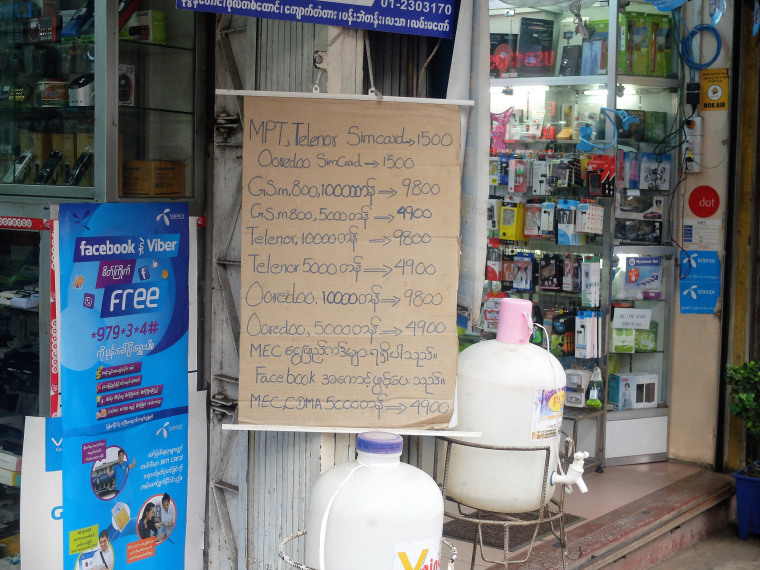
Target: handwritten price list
(350,260)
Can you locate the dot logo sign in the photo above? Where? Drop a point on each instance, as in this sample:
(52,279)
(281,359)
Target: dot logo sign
(704,201)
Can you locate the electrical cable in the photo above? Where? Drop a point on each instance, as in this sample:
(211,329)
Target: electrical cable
(685,45)
(681,274)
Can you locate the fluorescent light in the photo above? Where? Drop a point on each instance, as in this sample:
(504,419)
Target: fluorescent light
(531,88)
(595,92)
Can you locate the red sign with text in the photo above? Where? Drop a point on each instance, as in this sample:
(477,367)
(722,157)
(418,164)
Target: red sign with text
(704,201)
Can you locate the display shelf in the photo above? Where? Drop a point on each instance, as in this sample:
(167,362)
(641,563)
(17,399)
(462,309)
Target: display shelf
(617,415)
(162,87)
(22,310)
(559,100)
(650,250)
(581,82)
(577,414)
(584,249)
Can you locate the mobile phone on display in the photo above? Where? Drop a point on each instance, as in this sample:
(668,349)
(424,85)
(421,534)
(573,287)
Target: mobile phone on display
(80,168)
(51,170)
(20,169)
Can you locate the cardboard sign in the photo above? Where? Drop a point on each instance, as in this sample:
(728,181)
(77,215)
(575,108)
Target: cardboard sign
(714,85)
(625,318)
(350,262)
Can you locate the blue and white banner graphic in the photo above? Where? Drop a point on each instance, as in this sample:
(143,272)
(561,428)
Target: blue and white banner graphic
(416,17)
(125,497)
(700,282)
(124,314)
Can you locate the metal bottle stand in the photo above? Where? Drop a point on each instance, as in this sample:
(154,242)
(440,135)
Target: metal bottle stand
(300,566)
(553,512)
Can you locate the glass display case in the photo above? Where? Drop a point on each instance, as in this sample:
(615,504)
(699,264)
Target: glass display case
(25,346)
(100,100)
(583,104)
(47,86)
(157,102)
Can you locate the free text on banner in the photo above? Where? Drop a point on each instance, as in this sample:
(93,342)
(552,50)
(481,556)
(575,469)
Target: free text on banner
(350,259)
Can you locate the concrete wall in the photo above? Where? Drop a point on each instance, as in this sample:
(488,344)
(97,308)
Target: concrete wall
(695,358)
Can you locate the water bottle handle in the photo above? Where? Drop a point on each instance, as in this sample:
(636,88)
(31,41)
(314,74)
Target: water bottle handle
(546,335)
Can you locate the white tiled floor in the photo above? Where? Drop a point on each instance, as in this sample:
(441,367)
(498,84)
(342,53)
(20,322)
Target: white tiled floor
(606,492)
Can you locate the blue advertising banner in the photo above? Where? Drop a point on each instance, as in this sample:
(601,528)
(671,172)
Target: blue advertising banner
(416,17)
(700,265)
(125,497)
(53,444)
(700,287)
(124,314)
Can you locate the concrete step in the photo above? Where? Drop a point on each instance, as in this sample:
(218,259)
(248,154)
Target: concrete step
(643,532)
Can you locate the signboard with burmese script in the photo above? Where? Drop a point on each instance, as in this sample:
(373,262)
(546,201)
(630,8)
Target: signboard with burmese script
(417,17)
(350,257)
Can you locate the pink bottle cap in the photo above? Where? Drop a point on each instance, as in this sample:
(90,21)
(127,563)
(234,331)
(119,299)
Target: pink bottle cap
(515,321)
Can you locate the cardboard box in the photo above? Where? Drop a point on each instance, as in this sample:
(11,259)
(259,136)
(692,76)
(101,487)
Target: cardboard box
(594,52)
(635,130)
(646,340)
(637,47)
(9,477)
(126,85)
(10,460)
(662,44)
(622,340)
(535,48)
(643,277)
(635,232)
(153,178)
(145,26)
(638,207)
(655,171)
(12,545)
(655,126)
(633,390)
